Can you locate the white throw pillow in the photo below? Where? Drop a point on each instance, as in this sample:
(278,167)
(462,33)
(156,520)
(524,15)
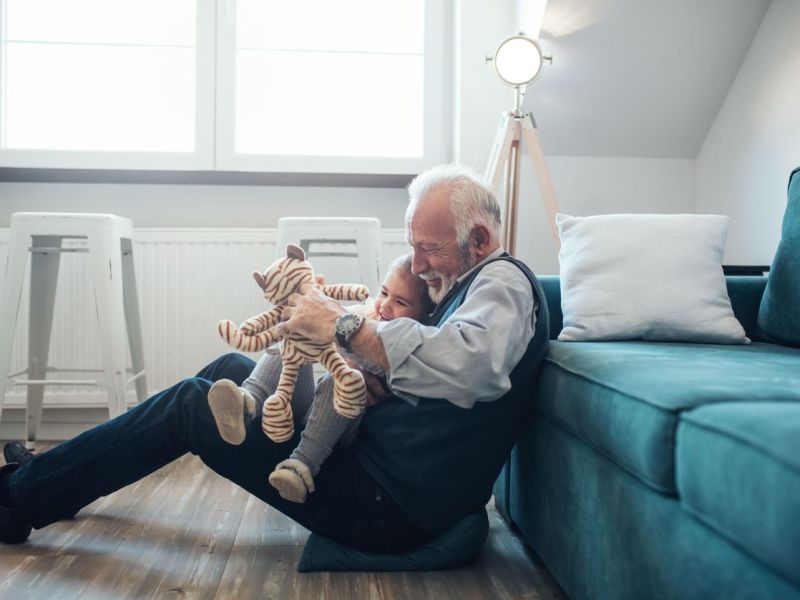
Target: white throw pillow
(645,277)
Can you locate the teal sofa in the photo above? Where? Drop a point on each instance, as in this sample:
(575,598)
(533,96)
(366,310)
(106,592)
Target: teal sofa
(663,470)
(668,470)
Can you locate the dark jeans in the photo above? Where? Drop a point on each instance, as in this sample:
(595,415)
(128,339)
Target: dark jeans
(347,505)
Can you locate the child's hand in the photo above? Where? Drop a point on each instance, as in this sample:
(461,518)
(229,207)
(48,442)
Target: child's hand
(376,388)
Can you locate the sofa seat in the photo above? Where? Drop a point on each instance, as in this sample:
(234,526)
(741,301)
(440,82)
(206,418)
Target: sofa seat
(752,500)
(625,399)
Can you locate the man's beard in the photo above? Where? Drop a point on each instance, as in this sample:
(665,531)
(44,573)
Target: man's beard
(465,262)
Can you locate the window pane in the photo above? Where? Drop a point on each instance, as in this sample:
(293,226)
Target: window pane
(100,75)
(76,97)
(313,103)
(340,25)
(171,22)
(322,78)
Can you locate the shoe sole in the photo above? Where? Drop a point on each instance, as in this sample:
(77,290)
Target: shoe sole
(227,406)
(286,483)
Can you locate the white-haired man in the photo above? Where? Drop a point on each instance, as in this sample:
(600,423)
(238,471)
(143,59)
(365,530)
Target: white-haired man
(427,454)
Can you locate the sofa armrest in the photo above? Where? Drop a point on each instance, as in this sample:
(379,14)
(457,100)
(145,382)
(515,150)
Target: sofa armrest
(745,294)
(551,284)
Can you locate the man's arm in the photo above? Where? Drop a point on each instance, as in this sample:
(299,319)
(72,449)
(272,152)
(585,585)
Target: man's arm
(469,358)
(313,315)
(367,344)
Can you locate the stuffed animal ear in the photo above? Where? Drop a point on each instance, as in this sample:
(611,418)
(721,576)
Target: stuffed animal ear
(260,280)
(293,251)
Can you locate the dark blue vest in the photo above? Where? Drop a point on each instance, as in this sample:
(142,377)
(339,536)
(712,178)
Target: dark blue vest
(439,461)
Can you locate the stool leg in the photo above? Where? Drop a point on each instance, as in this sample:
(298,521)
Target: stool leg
(44,278)
(132,318)
(16,261)
(106,260)
(368,249)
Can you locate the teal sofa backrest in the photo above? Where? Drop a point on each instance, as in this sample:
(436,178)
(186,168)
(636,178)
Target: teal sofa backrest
(745,294)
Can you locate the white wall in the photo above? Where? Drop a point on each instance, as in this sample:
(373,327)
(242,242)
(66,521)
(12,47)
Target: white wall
(754,143)
(597,185)
(177,205)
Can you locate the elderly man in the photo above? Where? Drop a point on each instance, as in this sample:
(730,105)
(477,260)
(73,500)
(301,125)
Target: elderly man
(426,455)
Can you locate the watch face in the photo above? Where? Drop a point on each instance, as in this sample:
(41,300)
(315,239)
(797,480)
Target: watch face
(347,324)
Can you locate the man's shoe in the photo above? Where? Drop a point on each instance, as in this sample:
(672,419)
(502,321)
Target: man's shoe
(13,528)
(14,452)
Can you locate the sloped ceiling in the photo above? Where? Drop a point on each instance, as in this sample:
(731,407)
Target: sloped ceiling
(640,78)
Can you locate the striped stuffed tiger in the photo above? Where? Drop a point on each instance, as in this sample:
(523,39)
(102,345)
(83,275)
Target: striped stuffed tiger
(283,278)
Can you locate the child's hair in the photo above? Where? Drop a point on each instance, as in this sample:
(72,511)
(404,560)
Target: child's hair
(402,266)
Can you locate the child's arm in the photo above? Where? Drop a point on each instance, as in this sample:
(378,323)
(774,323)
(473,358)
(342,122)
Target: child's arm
(346,291)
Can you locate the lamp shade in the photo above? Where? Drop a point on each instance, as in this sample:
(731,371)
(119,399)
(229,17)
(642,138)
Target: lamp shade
(518,60)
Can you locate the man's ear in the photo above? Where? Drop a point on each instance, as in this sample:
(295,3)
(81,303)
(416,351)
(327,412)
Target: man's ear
(480,237)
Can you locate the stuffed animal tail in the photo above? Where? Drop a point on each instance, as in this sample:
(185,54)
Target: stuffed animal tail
(233,336)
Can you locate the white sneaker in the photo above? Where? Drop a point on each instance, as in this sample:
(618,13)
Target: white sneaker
(293,480)
(228,403)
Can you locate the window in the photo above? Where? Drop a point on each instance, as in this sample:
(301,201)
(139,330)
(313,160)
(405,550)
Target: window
(257,85)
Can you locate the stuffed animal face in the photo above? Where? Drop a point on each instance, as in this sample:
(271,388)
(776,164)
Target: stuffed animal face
(285,276)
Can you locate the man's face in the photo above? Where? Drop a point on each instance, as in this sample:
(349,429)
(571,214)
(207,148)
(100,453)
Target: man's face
(437,257)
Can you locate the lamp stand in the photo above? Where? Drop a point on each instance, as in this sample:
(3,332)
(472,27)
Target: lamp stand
(514,128)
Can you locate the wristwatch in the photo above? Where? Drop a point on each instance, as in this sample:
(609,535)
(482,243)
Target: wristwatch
(346,327)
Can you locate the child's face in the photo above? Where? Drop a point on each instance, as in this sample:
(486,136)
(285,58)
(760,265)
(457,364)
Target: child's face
(399,298)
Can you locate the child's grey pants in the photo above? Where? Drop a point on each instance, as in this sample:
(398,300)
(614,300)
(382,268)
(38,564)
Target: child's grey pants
(322,426)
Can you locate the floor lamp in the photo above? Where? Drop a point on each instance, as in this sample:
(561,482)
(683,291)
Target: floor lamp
(517,61)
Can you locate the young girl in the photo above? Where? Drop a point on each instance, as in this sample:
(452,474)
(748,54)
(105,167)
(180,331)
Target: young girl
(402,294)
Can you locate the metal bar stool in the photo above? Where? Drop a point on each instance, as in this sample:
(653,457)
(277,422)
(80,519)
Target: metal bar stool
(361,233)
(108,243)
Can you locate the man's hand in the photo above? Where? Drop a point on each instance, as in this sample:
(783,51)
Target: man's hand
(375,388)
(313,315)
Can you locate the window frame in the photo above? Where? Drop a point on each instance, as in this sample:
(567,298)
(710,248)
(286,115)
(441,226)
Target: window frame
(214,117)
(201,159)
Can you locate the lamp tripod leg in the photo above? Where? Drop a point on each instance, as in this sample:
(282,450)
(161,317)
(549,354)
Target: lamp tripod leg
(512,196)
(531,136)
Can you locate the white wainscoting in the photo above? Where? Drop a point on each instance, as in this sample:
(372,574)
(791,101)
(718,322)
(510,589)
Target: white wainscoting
(187,279)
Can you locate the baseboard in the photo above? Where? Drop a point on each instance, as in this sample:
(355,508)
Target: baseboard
(63,417)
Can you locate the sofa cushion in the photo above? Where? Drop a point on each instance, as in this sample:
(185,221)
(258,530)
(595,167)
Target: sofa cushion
(738,470)
(624,398)
(778,317)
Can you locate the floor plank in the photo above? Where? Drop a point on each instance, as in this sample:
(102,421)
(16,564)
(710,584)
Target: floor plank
(184,532)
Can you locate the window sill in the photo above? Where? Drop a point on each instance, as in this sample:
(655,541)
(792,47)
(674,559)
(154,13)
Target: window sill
(33,175)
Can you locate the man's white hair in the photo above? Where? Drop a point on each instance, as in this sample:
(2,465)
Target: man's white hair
(472,200)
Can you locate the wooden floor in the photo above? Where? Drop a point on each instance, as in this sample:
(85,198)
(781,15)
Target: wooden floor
(184,532)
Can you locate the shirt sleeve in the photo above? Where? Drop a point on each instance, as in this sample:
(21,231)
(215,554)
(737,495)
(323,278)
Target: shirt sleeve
(470,357)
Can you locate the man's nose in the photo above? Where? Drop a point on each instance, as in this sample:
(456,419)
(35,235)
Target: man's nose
(418,263)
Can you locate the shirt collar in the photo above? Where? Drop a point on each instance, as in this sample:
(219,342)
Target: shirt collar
(494,254)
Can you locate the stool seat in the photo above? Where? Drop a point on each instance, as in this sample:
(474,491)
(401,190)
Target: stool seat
(109,245)
(363,234)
